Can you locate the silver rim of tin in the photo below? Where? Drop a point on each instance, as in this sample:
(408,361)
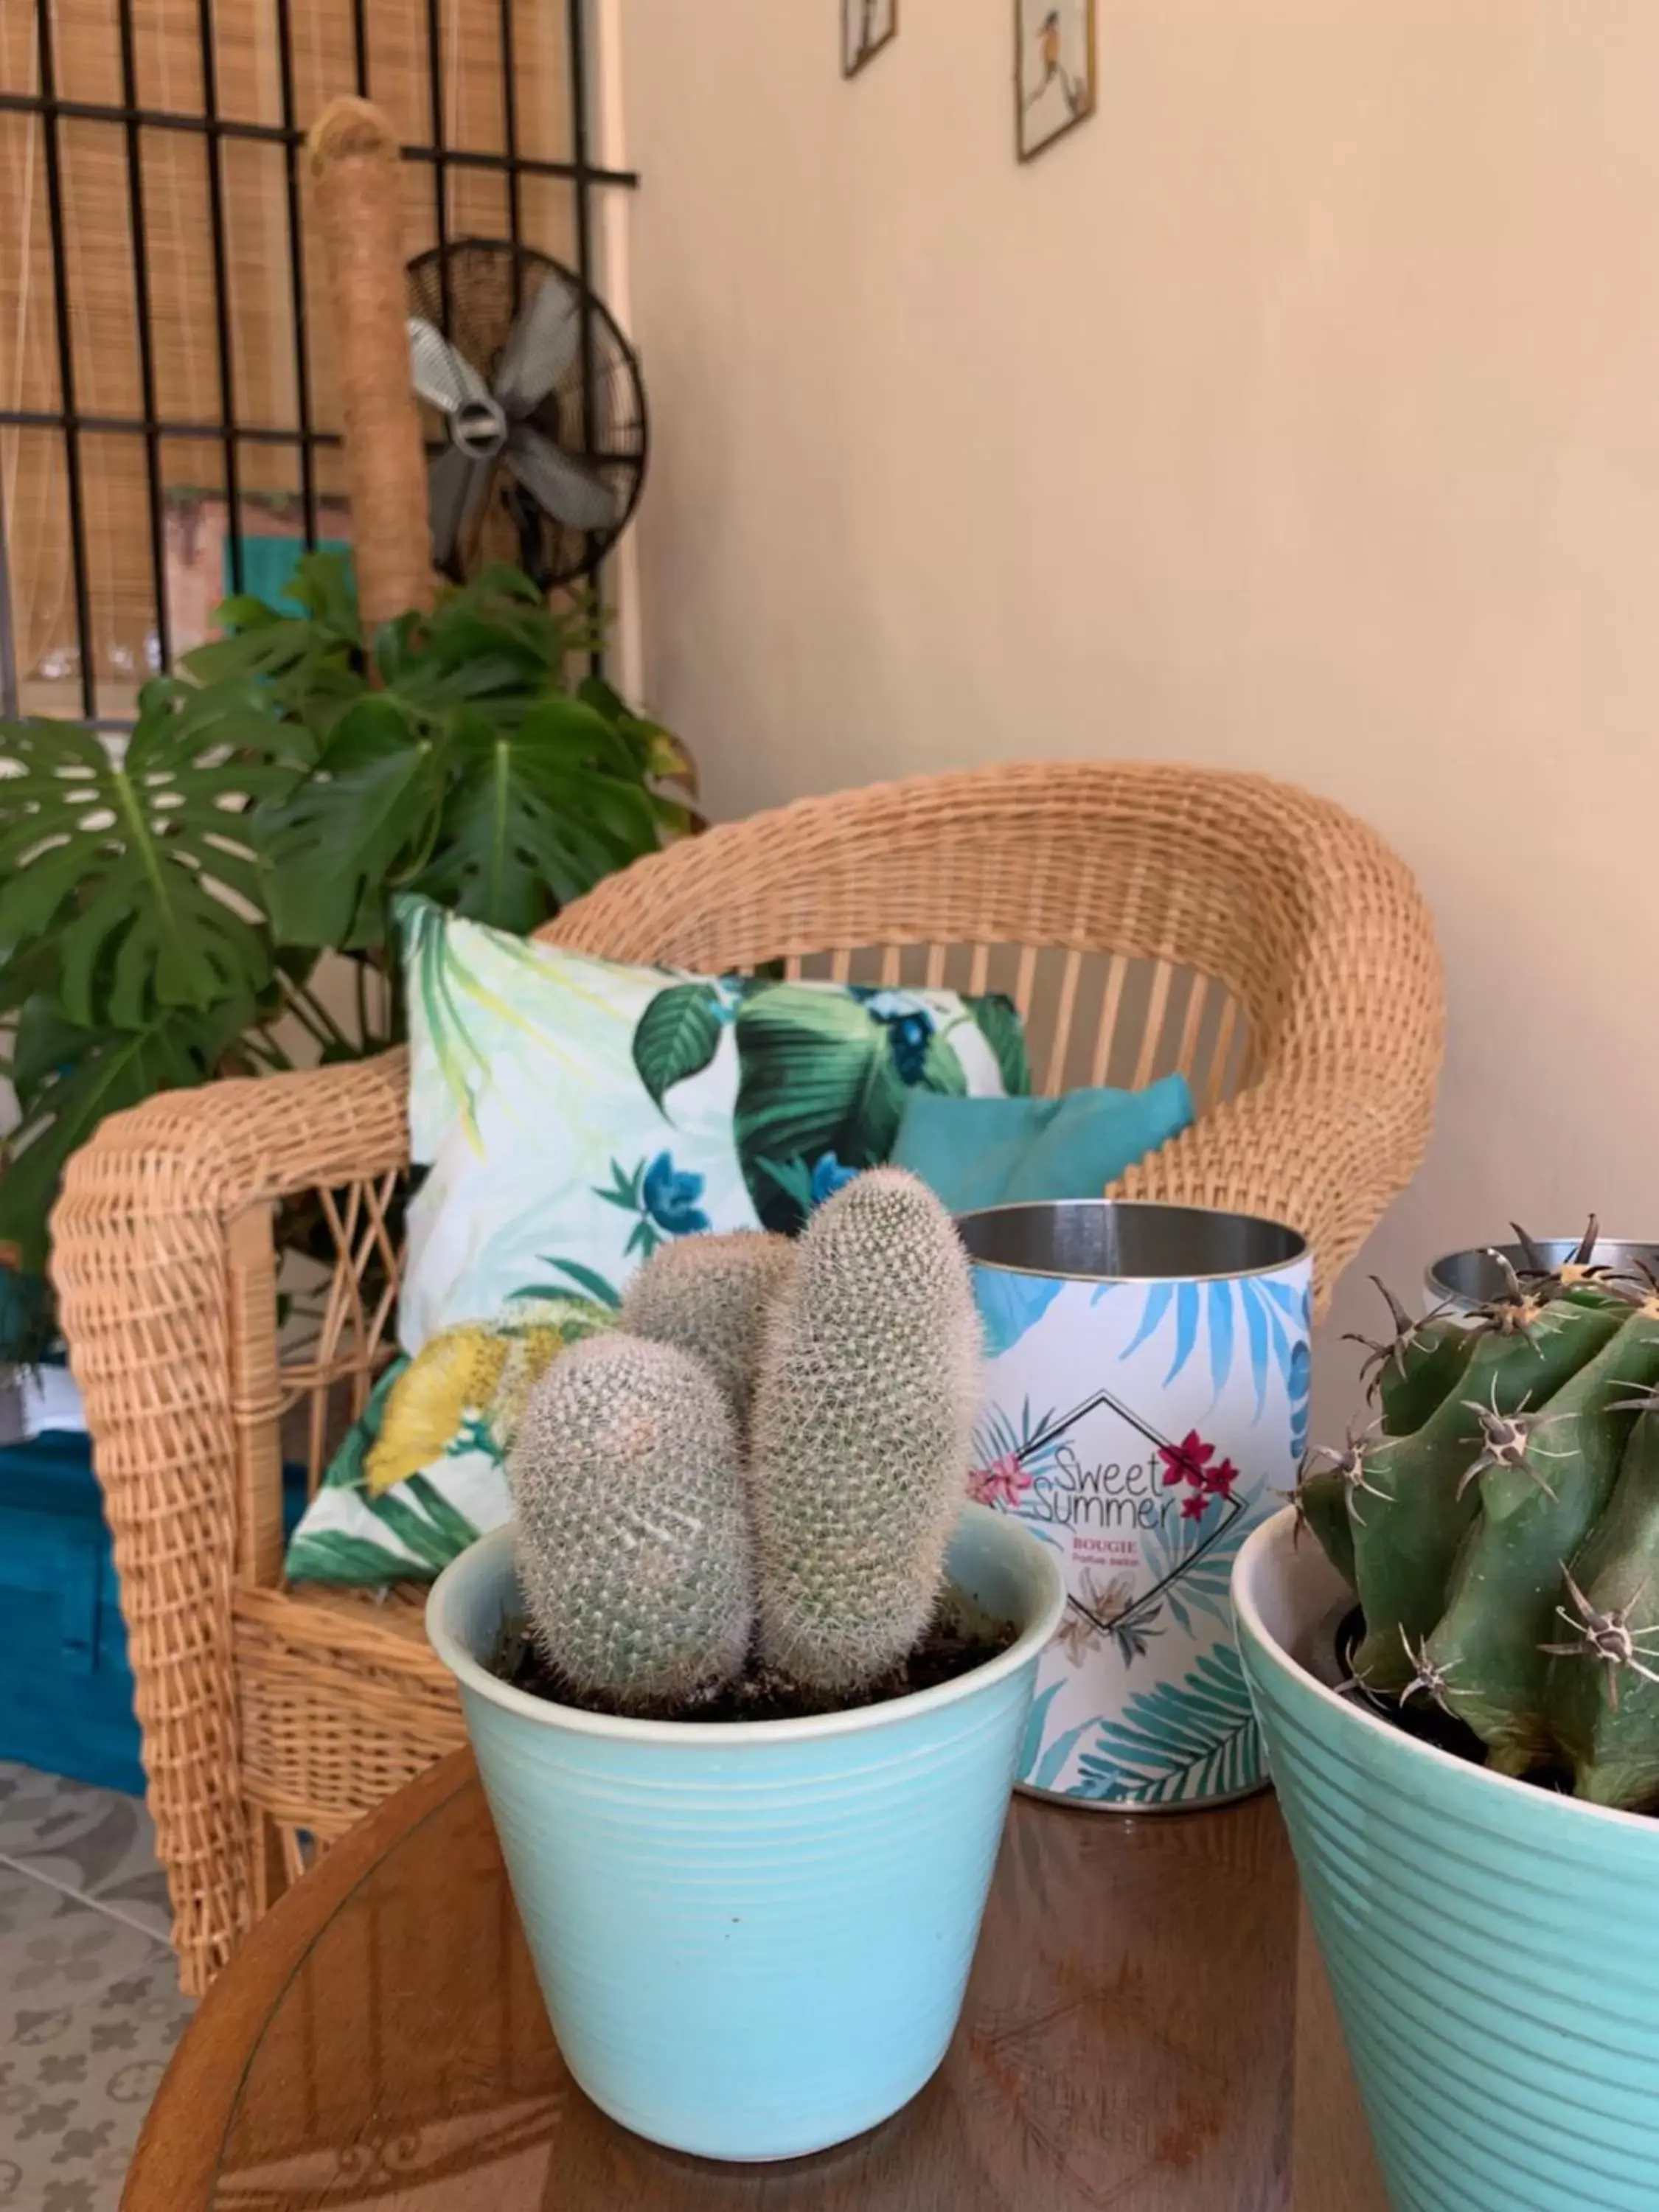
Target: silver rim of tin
(1473,1278)
(1115,1240)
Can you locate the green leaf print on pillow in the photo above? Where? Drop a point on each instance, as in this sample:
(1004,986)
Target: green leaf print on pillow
(816,1075)
(824,1076)
(999,1025)
(678,1035)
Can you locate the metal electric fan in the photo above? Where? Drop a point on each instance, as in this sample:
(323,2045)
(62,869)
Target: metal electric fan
(540,445)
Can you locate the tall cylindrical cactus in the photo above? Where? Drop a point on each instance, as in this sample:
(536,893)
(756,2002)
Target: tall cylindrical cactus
(710,1295)
(859,1433)
(632,1541)
(1500,1526)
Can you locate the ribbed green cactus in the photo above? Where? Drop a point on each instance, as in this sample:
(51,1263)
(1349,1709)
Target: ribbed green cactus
(859,1433)
(632,1542)
(710,1295)
(1500,1525)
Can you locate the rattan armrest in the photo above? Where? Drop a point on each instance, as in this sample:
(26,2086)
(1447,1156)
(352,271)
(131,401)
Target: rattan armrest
(163,1263)
(229,1146)
(1324,1158)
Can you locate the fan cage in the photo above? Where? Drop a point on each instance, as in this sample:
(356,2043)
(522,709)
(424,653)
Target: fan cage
(475,286)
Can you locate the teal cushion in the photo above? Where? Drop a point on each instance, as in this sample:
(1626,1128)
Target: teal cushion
(1001,1151)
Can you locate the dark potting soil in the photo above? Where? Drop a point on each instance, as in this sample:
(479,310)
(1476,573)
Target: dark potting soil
(961,1638)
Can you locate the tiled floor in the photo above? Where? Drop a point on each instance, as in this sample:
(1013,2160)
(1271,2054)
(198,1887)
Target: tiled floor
(89,2003)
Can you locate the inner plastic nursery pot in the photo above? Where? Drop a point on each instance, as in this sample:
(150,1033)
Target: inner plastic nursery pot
(753,1937)
(1493,1948)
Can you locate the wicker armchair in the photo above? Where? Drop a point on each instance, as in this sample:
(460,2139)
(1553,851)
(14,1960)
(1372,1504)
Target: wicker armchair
(1145,919)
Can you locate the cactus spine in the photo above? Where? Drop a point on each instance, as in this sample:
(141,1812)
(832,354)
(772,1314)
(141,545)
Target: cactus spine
(632,1542)
(1501,1526)
(710,1295)
(860,1430)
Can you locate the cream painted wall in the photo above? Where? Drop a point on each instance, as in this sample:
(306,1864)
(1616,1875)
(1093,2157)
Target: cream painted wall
(1300,412)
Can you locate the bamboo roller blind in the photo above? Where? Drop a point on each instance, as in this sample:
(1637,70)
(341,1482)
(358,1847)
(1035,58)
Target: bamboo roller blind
(98,262)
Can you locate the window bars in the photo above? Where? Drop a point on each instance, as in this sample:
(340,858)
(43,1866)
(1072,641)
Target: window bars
(472,84)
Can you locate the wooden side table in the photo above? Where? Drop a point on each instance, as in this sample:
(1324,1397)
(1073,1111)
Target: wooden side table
(1146,2026)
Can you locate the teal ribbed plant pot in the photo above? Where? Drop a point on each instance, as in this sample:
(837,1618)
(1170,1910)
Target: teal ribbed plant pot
(1493,1948)
(754,1938)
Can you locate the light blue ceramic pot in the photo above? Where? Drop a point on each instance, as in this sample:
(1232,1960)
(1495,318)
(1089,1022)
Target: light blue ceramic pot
(1493,1948)
(753,1939)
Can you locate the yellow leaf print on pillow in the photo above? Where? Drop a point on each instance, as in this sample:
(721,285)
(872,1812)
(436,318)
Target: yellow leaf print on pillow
(479,1372)
(451,1376)
(530,1354)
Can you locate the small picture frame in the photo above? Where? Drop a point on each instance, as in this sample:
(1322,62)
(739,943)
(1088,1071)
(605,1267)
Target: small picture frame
(1054,72)
(866,26)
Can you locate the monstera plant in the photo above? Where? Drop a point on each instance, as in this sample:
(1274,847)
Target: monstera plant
(163,911)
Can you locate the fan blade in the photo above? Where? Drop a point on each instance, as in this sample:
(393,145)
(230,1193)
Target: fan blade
(540,346)
(455,494)
(443,377)
(568,490)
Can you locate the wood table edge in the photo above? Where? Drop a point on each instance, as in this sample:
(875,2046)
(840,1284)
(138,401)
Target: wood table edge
(176,2163)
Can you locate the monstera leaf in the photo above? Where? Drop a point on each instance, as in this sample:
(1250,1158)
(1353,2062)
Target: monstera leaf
(817,1075)
(360,822)
(67,1077)
(128,864)
(156,905)
(549,805)
(471,777)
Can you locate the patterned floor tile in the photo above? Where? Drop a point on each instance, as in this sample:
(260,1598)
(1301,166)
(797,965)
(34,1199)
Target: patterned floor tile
(89,2003)
(89,2013)
(95,1843)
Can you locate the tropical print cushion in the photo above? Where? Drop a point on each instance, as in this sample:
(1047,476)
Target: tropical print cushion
(424,1473)
(573,1115)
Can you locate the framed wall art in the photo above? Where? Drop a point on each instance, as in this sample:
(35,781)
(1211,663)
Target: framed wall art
(866,26)
(1053,70)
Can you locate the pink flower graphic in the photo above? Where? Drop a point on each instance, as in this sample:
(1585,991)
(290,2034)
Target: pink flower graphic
(1219,1481)
(1186,1462)
(1004,1482)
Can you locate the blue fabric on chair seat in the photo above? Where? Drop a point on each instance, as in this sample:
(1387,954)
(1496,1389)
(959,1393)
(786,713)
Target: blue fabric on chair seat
(1005,1151)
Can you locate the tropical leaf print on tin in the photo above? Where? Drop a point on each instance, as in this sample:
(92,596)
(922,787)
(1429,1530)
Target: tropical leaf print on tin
(1177,1742)
(1300,1383)
(1192,1560)
(1010,1303)
(1041,1767)
(1030,1748)
(1046,1774)
(1010,1453)
(1261,1319)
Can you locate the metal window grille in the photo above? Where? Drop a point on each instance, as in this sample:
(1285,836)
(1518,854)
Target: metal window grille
(85,95)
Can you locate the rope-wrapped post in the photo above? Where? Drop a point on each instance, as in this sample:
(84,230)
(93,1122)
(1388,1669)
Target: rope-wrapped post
(355,169)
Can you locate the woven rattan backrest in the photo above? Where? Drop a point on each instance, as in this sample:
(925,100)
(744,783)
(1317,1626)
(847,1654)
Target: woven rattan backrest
(1091,1018)
(1144,919)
